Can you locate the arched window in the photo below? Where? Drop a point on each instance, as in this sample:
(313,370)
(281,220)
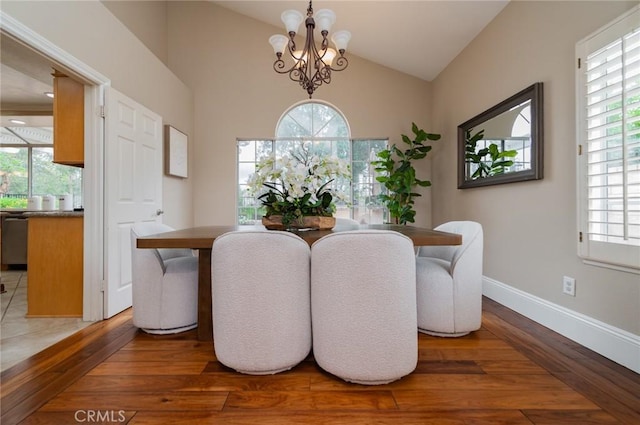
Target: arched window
(326,129)
(316,122)
(312,119)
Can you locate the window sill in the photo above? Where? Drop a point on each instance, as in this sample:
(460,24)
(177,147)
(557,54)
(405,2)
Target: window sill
(617,267)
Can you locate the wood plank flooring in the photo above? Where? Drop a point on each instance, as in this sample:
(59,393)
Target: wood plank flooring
(512,371)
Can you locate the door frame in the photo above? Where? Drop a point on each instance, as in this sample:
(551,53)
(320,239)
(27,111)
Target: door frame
(93,175)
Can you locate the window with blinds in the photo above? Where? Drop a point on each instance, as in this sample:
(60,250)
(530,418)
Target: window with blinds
(609,143)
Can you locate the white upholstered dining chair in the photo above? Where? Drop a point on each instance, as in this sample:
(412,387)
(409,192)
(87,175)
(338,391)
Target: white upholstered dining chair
(449,283)
(165,284)
(363,305)
(261,300)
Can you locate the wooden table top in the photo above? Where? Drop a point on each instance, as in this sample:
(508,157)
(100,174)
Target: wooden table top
(203,237)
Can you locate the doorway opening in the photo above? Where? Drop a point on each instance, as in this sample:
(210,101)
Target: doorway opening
(51,56)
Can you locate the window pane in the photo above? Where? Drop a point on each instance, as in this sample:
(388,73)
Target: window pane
(55,179)
(301,117)
(14,179)
(245,169)
(263,148)
(246,150)
(343,149)
(322,148)
(612,130)
(289,127)
(367,208)
(283,147)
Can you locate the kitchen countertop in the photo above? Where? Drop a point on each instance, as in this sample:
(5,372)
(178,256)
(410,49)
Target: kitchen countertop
(27,213)
(54,214)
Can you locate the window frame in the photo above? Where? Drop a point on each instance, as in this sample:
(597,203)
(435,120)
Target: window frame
(618,256)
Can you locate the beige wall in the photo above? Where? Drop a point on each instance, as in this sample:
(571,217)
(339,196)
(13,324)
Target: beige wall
(147,19)
(89,32)
(227,61)
(530,227)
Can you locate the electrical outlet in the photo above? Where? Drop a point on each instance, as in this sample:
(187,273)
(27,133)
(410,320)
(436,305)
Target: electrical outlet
(569,286)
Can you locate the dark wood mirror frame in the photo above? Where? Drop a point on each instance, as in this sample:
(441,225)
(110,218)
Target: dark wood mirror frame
(532,93)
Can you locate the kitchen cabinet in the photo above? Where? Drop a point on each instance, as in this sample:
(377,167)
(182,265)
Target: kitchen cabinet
(55,265)
(68,121)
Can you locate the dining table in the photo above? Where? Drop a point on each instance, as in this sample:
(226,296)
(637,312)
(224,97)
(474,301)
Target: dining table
(202,238)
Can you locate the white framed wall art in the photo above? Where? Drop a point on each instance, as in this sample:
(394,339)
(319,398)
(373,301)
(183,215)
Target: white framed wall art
(176,152)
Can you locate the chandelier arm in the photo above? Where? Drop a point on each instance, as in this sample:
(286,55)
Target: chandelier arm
(291,45)
(320,54)
(339,64)
(298,75)
(322,70)
(325,41)
(279,65)
(297,56)
(323,76)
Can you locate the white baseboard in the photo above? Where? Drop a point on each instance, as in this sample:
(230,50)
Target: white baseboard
(615,344)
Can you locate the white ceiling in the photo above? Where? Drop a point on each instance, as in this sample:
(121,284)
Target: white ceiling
(24,78)
(417,37)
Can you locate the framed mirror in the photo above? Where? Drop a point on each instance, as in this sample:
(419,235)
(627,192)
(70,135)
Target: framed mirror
(504,144)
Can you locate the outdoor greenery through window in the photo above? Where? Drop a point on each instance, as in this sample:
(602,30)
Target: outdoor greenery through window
(515,148)
(327,132)
(26,169)
(609,137)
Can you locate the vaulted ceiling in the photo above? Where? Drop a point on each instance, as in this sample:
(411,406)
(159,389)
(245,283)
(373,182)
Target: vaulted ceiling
(417,37)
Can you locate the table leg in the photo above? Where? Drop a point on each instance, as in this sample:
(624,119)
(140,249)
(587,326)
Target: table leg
(205,324)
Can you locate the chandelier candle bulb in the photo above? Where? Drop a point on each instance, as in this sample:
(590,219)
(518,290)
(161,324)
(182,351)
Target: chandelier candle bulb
(279,43)
(292,20)
(326,18)
(340,39)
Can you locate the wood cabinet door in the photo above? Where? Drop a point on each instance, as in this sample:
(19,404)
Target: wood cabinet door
(55,267)
(68,121)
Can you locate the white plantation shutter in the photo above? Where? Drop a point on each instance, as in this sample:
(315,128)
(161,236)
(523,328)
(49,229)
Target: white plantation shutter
(609,143)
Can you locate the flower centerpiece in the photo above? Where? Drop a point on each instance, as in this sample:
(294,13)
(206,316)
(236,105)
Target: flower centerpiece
(296,187)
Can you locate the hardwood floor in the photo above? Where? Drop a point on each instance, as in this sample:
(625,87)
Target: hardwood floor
(512,371)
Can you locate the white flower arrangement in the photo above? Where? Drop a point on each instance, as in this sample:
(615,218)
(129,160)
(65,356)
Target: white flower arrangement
(297,185)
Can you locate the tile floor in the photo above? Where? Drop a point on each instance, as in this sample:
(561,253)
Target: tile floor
(22,337)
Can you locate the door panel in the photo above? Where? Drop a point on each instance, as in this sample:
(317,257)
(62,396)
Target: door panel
(133,188)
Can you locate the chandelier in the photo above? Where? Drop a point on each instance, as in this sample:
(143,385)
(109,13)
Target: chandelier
(313,65)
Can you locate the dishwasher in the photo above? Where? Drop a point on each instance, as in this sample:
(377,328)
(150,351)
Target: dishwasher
(14,241)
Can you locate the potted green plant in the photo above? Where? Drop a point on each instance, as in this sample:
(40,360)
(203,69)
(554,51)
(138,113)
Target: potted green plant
(397,174)
(295,189)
